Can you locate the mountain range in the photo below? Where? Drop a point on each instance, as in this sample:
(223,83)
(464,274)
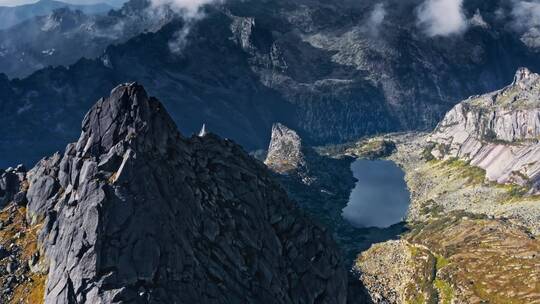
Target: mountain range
(66,34)
(12,15)
(277,61)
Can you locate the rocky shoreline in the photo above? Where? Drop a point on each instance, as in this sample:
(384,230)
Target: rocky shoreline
(461,222)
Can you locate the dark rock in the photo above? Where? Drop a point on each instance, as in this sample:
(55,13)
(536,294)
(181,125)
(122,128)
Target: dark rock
(11,280)
(3,252)
(11,267)
(135,212)
(9,185)
(286,151)
(33,260)
(20,199)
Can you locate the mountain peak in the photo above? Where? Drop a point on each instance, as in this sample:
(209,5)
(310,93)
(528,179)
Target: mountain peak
(285,152)
(129,116)
(136,213)
(524,76)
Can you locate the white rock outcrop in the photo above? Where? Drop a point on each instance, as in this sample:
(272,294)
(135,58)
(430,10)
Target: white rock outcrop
(498,132)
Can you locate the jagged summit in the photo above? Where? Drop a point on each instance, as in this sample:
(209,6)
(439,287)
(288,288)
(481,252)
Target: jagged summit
(522,93)
(136,213)
(523,74)
(286,151)
(509,114)
(127,115)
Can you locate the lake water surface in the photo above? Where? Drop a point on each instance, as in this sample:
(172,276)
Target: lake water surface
(380,198)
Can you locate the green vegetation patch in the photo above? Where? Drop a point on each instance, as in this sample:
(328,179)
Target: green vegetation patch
(441,262)
(418,299)
(376,148)
(516,193)
(446,293)
(422,290)
(474,175)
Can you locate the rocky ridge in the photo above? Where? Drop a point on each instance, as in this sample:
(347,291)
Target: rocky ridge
(286,151)
(64,35)
(497,132)
(311,65)
(135,212)
(289,155)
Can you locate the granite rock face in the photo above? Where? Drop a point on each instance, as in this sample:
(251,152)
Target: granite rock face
(286,151)
(498,132)
(136,213)
(11,181)
(288,155)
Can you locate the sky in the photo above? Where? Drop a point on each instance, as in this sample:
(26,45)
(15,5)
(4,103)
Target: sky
(19,2)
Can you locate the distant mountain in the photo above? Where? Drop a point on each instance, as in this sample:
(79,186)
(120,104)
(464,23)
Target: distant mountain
(113,3)
(12,15)
(65,35)
(312,65)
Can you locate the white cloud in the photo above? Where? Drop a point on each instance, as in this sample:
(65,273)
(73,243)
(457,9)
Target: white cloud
(526,21)
(441,17)
(376,18)
(478,20)
(190,10)
(526,13)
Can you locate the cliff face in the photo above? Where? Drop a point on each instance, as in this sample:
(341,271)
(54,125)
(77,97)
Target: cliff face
(497,131)
(286,151)
(135,212)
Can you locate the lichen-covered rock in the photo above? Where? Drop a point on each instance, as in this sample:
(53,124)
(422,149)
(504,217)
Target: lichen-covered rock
(497,131)
(286,151)
(136,213)
(373,149)
(387,269)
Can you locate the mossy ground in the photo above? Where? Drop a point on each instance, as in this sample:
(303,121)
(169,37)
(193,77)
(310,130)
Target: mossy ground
(445,291)
(30,292)
(24,237)
(491,261)
(473,175)
(372,148)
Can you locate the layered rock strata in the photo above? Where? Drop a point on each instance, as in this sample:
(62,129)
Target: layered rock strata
(498,132)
